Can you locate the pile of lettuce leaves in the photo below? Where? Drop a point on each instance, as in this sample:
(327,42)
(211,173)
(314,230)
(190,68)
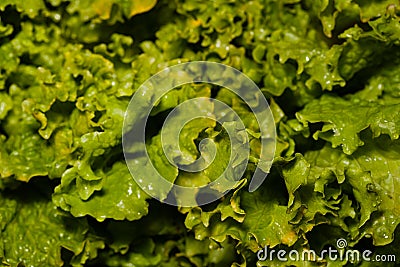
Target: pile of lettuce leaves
(330,70)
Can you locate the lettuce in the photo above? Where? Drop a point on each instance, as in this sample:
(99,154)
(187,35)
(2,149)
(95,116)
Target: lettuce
(68,69)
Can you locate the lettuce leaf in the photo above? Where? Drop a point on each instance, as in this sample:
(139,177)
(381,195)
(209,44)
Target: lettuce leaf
(68,69)
(25,241)
(343,130)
